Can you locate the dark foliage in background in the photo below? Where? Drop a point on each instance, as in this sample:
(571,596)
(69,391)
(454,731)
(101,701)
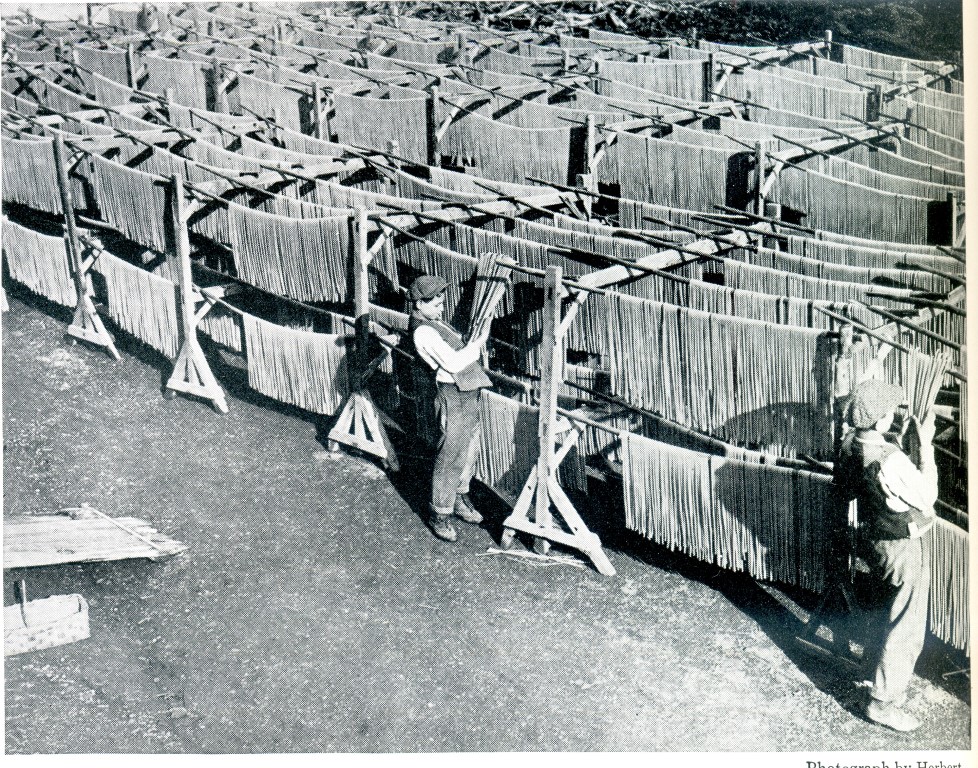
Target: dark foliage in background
(926,29)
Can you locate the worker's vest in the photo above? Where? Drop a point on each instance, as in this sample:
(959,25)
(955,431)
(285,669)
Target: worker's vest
(858,477)
(470,378)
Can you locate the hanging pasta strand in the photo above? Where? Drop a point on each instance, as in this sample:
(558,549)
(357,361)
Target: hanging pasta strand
(28,173)
(304,369)
(133,202)
(768,521)
(949,608)
(303,259)
(39,262)
(141,303)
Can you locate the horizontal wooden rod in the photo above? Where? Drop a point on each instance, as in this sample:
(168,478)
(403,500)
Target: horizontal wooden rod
(910,326)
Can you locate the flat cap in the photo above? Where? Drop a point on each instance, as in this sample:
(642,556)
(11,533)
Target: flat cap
(426,287)
(870,401)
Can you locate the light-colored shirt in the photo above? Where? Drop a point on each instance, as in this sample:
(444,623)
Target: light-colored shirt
(437,353)
(905,485)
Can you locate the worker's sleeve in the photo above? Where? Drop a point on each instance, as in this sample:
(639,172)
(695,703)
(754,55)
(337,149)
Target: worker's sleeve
(916,487)
(438,354)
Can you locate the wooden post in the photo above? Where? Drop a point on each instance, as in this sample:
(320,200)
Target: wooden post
(952,204)
(317,111)
(828,44)
(709,76)
(277,125)
(541,490)
(694,35)
(191,372)
(552,370)
(874,103)
(360,423)
(86,323)
(462,45)
(220,102)
(361,290)
(760,163)
(88,13)
(587,178)
(431,126)
(394,148)
(131,65)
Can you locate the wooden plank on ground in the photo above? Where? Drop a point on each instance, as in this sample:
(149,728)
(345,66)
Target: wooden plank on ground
(37,540)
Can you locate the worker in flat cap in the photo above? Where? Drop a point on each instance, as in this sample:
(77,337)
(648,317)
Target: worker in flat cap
(895,502)
(451,365)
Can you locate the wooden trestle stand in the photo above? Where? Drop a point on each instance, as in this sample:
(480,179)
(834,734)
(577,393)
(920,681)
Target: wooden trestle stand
(86,324)
(191,372)
(532,513)
(359,424)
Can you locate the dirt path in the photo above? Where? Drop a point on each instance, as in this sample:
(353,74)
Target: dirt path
(313,611)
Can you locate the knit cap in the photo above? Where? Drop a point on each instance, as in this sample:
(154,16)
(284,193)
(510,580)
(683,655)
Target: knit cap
(870,401)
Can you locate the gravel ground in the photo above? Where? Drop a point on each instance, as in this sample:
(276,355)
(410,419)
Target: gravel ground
(314,612)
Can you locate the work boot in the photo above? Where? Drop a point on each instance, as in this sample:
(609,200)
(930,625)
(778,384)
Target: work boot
(442,527)
(892,716)
(465,510)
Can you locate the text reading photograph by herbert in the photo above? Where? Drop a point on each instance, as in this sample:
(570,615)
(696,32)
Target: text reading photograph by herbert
(476,377)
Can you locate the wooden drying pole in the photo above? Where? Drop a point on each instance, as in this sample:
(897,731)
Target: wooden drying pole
(86,324)
(360,422)
(541,494)
(191,372)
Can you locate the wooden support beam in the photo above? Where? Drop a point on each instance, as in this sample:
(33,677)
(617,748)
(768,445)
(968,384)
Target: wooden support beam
(317,112)
(709,77)
(760,164)
(952,204)
(359,423)
(86,323)
(541,494)
(131,66)
(219,98)
(432,108)
(191,372)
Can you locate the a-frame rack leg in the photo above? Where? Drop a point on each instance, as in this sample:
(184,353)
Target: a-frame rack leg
(838,610)
(191,372)
(86,323)
(542,495)
(838,606)
(359,424)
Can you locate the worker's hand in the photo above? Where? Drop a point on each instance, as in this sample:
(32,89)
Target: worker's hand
(926,428)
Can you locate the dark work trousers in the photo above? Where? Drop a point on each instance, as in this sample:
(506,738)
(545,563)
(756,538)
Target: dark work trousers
(458,413)
(900,570)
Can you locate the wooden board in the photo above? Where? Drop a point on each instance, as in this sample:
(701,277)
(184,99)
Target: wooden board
(55,620)
(51,539)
